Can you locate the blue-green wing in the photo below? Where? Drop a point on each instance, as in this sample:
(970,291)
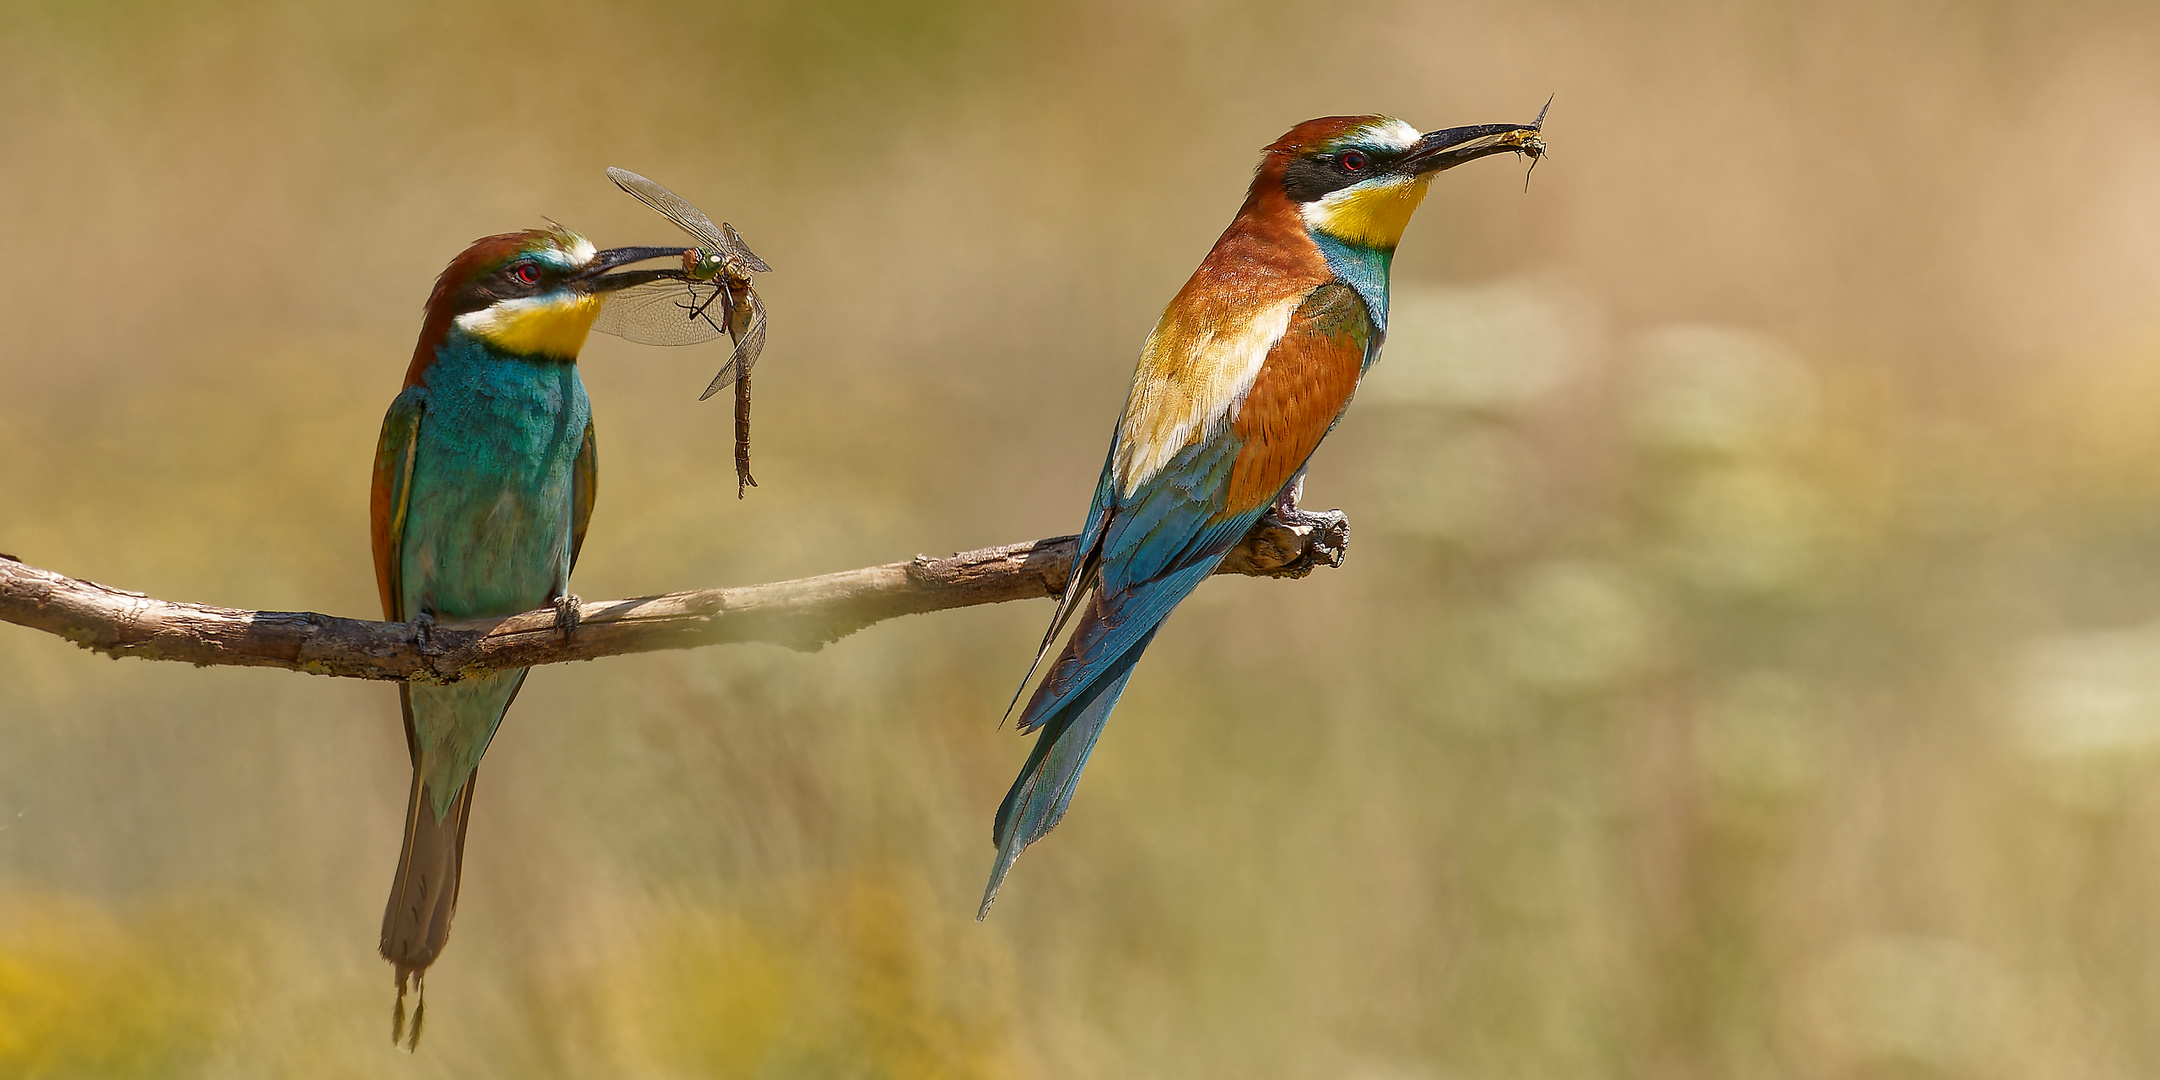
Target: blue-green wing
(584,486)
(390,496)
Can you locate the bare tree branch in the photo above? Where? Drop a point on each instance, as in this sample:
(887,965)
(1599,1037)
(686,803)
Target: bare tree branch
(802,614)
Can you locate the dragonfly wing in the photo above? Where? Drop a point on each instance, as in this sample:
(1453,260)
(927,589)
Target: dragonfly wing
(753,339)
(667,312)
(671,206)
(747,349)
(721,381)
(742,251)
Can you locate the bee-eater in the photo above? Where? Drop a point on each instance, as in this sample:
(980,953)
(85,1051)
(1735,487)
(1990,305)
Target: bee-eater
(1248,369)
(484,481)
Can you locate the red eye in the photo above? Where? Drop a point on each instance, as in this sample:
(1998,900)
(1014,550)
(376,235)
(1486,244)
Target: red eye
(526,273)
(1353,161)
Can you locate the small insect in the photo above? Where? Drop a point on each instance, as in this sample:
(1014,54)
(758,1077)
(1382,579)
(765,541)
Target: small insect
(1532,142)
(711,295)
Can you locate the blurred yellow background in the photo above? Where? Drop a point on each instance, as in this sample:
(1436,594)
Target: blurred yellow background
(1747,664)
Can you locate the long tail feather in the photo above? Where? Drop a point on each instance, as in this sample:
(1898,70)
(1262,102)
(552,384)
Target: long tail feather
(1039,798)
(423,897)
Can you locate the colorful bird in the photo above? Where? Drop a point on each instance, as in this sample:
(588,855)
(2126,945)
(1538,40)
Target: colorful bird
(1247,370)
(484,480)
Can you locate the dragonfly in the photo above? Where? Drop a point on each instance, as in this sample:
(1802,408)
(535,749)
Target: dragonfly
(710,296)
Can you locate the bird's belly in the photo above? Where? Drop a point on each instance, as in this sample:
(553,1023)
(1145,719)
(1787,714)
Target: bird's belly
(488,525)
(496,549)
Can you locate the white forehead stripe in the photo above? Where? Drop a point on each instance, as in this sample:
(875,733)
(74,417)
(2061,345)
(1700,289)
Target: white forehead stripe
(567,251)
(1392,133)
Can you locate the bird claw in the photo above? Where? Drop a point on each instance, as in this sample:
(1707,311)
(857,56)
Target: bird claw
(423,630)
(567,614)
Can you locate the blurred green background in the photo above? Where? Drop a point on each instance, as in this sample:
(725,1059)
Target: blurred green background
(1747,664)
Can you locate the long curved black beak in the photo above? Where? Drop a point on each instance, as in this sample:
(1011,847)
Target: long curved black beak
(596,271)
(1450,147)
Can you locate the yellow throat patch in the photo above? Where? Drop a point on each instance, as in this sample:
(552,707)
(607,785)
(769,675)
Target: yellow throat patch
(1371,214)
(554,326)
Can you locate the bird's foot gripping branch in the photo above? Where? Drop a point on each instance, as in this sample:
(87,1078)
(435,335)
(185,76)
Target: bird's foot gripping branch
(805,613)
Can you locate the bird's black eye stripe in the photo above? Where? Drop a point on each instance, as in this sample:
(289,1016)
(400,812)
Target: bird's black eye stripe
(1313,176)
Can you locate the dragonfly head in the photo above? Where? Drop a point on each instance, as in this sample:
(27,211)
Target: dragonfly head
(702,264)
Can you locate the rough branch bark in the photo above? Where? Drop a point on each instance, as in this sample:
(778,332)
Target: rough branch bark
(802,614)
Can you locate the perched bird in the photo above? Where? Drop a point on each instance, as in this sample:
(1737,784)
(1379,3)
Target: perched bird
(484,480)
(1247,370)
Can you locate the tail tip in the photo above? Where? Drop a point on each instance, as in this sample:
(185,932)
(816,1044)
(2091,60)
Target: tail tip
(399,1032)
(1008,853)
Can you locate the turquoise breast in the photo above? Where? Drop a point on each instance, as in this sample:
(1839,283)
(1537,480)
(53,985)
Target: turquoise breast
(487,530)
(1366,270)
